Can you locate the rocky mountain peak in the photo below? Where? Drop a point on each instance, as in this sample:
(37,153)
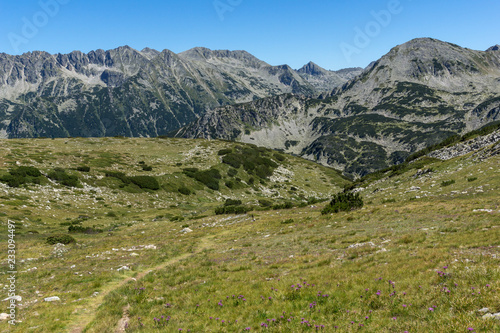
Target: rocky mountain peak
(494,48)
(150,53)
(205,54)
(312,69)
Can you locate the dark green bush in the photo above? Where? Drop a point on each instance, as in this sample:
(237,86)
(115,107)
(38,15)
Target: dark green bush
(13,181)
(279,157)
(344,201)
(118,175)
(25,171)
(234,160)
(254,161)
(184,190)
(208,177)
(61,238)
(22,175)
(145,182)
(232,202)
(232,210)
(83,168)
(232,172)
(447,182)
(74,229)
(60,176)
(224,151)
(147,168)
(471,179)
(265,203)
(286,205)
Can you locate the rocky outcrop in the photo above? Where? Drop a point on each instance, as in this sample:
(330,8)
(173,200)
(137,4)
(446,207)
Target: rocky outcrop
(467,147)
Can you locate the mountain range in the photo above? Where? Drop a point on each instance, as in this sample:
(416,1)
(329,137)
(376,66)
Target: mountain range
(138,93)
(415,96)
(356,120)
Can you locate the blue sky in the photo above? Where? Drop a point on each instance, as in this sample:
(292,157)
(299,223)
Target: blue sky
(333,34)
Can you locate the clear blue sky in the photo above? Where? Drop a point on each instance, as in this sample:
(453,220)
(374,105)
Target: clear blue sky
(291,32)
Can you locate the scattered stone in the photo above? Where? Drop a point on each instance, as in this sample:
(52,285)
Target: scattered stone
(133,254)
(492,316)
(484,310)
(483,210)
(17,298)
(51,299)
(354,246)
(59,250)
(186,230)
(123,268)
(4,316)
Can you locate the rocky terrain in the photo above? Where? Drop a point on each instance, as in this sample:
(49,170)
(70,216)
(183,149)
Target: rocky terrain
(416,95)
(469,146)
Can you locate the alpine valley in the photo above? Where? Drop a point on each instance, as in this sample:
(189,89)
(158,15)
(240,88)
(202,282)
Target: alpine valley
(357,121)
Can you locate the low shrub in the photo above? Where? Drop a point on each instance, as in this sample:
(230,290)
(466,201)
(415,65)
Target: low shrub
(25,171)
(447,182)
(232,202)
(265,203)
(74,229)
(184,190)
(83,168)
(224,151)
(145,182)
(471,179)
(210,178)
(119,175)
(286,205)
(232,210)
(232,172)
(22,175)
(61,238)
(344,201)
(60,176)
(279,157)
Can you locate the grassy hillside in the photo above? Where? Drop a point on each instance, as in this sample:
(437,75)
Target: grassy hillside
(421,255)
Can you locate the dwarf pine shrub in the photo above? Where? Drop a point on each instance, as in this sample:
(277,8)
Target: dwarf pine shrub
(60,176)
(61,238)
(344,201)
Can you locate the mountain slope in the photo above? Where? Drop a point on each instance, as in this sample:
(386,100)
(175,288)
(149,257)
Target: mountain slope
(426,240)
(416,95)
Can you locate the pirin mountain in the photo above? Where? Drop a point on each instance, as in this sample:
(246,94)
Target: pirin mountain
(138,93)
(355,120)
(415,96)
